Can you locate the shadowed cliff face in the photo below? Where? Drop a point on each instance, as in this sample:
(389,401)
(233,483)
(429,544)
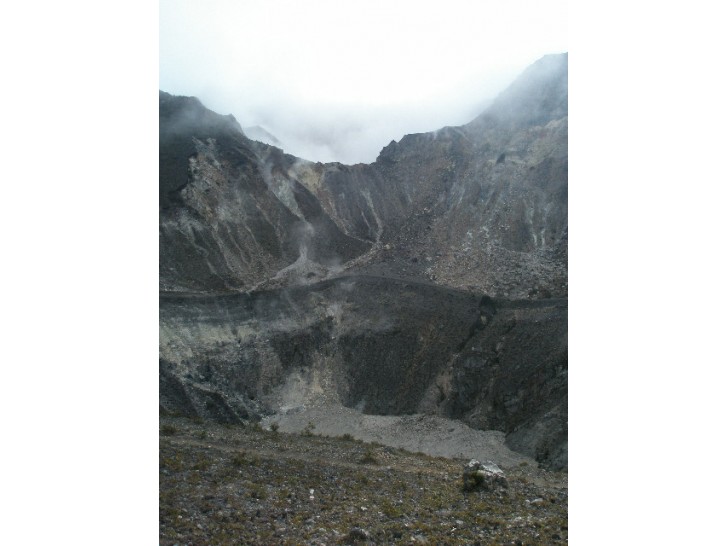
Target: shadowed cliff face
(380,345)
(432,280)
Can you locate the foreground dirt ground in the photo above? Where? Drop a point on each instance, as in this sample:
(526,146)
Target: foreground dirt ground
(225,484)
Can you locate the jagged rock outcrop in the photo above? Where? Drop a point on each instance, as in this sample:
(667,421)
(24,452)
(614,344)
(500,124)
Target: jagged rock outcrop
(432,280)
(482,206)
(228,218)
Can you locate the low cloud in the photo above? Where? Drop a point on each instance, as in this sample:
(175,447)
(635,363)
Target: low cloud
(337,81)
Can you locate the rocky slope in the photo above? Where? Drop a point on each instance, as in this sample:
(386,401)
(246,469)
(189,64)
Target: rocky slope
(242,485)
(431,281)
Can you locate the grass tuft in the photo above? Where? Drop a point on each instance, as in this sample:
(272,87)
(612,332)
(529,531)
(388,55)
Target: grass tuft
(168,430)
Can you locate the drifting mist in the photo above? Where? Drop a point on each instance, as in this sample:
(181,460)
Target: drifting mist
(334,81)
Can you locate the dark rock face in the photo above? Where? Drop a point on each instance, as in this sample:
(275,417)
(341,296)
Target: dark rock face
(284,281)
(512,376)
(229,217)
(383,345)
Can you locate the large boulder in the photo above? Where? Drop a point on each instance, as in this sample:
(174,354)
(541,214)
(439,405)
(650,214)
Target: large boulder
(483,476)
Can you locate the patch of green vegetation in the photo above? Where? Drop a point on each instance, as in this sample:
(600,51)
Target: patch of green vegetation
(308,430)
(174,463)
(369,457)
(258,491)
(472,481)
(242,459)
(168,430)
(239,459)
(391,510)
(202,463)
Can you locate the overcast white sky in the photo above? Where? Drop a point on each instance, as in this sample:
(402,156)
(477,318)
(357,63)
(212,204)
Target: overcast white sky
(337,81)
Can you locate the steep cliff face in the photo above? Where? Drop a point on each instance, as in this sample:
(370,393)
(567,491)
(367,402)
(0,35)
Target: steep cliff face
(228,218)
(381,345)
(432,280)
(482,206)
